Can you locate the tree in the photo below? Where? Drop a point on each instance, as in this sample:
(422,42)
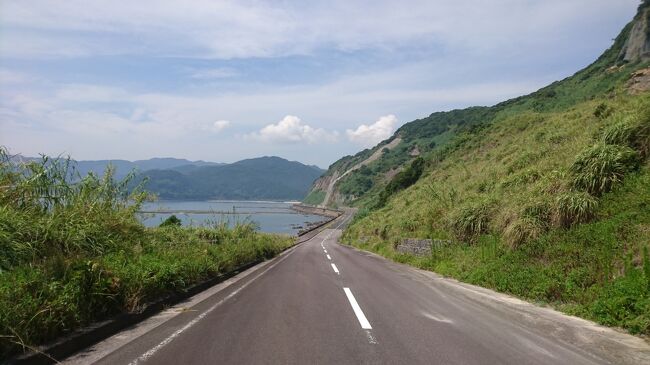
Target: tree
(172,221)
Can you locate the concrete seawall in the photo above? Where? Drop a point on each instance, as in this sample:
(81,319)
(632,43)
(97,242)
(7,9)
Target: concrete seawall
(309,209)
(330,215)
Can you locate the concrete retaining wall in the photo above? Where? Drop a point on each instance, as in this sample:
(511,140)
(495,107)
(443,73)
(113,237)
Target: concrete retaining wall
(419,247)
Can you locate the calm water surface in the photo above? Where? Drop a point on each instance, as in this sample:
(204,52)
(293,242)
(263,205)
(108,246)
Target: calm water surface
(272,217)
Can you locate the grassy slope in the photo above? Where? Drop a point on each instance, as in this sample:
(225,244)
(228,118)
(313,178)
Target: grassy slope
(440,132)
(506,194)
(315,197)
(520,166)
(71,254)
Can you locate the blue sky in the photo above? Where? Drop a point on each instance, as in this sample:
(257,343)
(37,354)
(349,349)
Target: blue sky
(305,80)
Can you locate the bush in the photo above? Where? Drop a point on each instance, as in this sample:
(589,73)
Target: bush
(598,169)
(573,208)
(172,221)
(602,111)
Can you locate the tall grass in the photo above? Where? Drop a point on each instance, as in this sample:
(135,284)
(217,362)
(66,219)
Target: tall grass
(599,168)
(472,220)
(574,208)
(72,251)
(631,128)
(564,200)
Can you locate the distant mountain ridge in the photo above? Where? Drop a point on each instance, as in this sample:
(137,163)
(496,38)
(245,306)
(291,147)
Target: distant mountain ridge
(268,178)
(265,178)
(124,167)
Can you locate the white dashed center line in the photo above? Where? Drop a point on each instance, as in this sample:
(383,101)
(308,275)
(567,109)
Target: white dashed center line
(363,321)
(328,257)
(336,270)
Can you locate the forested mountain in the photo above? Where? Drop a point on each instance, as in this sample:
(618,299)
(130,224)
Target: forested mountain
(258,178)
(171,178)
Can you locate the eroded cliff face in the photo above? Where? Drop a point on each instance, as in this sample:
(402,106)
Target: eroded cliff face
(327,183)
(637,46)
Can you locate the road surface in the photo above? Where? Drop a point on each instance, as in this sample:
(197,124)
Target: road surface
(324,303)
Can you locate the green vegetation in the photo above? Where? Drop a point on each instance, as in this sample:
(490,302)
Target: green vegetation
(270,178)
(171,221)
(600,167)
(72,252)
(315,197)
(402,180)
(541,206)
(358,183)
(544,196)
(441,133)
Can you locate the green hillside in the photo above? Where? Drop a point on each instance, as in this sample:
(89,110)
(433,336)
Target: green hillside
(270,178)
(123,168)
(546,196)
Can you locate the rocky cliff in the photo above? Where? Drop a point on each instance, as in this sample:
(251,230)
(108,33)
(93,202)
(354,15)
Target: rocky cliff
(637,47)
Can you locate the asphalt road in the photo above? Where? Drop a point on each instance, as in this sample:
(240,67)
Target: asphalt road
(324,303)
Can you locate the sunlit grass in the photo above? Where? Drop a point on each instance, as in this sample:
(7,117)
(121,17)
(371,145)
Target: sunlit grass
(72,251)
(547,205)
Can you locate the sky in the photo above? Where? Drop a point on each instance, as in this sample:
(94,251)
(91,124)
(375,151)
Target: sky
(305,80)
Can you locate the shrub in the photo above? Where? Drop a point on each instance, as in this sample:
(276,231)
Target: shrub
(171,221)
(573,208)
(602,111)
(402,180)
(602,166)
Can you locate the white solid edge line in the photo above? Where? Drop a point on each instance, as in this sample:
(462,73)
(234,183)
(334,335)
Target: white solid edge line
(328,257)
(336,270)
(171,337)
(363,321)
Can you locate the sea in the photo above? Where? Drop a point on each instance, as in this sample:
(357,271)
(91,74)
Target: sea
(268,216)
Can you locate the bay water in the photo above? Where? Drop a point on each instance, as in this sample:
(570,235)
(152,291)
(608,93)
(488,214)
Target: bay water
(269,216)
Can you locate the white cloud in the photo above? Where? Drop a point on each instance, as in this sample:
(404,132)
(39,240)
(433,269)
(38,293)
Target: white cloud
(241,29)
(220,125)
(370,135)
(292,130)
